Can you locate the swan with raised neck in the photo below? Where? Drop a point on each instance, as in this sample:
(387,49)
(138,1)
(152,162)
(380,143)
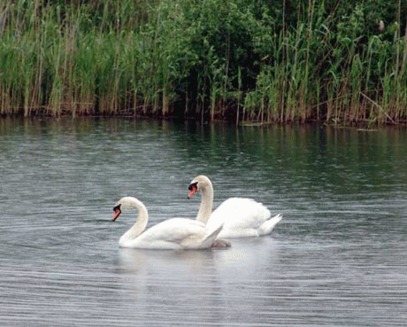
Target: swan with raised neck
(241,217)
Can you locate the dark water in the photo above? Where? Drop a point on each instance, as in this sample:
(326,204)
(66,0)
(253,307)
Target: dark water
(338,258)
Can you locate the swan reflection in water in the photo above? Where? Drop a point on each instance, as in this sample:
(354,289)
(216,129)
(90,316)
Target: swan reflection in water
(175,282)
(243,260)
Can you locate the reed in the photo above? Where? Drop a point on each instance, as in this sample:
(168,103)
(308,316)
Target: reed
(269,61)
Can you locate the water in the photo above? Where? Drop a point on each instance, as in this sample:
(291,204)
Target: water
(338,258)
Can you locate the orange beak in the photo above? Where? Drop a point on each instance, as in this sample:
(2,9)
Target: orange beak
(191,191)
(116,213)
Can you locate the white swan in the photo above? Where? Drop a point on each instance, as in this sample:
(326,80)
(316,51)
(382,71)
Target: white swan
(241,217)
(175,233)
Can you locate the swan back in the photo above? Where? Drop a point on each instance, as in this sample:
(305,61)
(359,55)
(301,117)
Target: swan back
(175,233)
(241,213)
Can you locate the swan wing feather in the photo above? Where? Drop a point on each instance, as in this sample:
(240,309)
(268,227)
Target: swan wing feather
(243,217)
(177,233)
(240,213)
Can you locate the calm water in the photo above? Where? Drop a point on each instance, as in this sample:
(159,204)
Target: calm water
(338,258)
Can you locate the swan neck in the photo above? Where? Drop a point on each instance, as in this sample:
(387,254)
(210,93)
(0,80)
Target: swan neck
(205,209)
(141,221)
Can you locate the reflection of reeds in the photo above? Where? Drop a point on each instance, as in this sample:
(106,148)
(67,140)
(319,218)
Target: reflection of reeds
(211,59)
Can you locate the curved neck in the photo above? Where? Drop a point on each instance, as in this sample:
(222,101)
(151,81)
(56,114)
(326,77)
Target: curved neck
(205,209)
(141,221)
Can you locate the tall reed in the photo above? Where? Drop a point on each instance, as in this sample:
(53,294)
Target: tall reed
(269,61)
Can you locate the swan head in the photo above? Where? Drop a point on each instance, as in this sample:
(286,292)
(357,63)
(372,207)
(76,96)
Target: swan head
(125,203)
(116,211)
(199,183)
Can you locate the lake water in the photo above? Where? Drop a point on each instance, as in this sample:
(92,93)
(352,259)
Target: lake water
(338,258)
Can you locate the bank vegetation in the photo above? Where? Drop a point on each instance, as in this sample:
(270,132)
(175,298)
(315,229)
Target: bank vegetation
(333,61)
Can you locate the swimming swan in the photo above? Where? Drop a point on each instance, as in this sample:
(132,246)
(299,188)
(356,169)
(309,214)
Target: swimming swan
(175,233)
(241,217)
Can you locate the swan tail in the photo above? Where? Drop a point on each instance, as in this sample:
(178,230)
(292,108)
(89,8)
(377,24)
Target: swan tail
(209,239)
(268,225)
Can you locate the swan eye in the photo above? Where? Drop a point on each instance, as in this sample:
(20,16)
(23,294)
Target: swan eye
(193,186)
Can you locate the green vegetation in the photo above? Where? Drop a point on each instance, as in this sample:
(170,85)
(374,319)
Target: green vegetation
(335,61)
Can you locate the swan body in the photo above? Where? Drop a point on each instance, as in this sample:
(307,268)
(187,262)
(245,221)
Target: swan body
(241,217)
(175,233)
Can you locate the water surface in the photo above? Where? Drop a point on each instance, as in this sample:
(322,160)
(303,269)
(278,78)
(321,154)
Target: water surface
(338,258)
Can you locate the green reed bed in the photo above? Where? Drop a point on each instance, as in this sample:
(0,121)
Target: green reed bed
(269,61)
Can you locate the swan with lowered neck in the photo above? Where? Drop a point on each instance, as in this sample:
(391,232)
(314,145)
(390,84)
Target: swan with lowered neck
(241,217)
(175,233)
